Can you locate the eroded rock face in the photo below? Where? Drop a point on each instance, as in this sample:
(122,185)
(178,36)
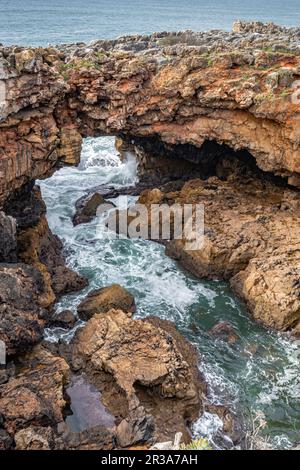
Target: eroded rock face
(8,242)
(38,247)
(22,317)
(146,372)
(34,397)
(235,88)
(251,238)
(104,299)
(87,207)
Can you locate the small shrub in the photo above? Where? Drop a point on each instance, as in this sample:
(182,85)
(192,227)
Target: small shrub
(197,444)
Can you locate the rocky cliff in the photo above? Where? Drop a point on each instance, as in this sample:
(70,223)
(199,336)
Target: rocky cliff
(233,88)
(190,96)
(219,106)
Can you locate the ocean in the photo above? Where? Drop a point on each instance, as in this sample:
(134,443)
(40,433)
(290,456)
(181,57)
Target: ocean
(39,22)
(264,382)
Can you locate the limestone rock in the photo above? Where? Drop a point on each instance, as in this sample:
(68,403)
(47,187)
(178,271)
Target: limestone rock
(35,438)
(185,87)
(251,238)
(21,316)
(146,372)
(86,208)
(6,441)
(8,242)
(35,397)
(224,330)
(64,319)
(96,438)
(104,299)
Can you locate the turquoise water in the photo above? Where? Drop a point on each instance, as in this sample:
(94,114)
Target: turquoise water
(39,22)
(260,372)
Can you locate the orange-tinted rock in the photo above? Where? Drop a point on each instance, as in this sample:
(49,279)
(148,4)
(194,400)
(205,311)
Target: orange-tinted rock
(235,94)
(35,397)
(104,299)
(147,365)
(251,238)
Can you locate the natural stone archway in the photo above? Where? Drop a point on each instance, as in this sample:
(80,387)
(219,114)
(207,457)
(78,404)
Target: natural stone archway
(235,95)
(191,90)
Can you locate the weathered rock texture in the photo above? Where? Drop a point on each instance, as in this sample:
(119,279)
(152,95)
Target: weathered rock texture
(251,237)
(146,372)
(22,317)
(234,88)
(32,271)
(104,299)
(34,397)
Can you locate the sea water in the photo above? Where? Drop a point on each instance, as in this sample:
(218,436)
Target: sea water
(259,373)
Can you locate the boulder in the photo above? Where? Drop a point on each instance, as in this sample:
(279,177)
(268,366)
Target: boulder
(8,242)
(22,318)
(86,208)
(35,438)
(96,438)
(146,372)
(64,319)
(35,397)
(104,299)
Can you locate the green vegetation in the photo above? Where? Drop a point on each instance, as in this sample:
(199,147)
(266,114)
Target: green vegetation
(197,444)
(66,68)
(264,97)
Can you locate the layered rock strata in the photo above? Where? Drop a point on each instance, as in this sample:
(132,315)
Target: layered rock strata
(234,88)
(146,372)
(251,238)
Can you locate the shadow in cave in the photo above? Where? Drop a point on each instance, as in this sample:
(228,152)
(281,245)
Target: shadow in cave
(160,162)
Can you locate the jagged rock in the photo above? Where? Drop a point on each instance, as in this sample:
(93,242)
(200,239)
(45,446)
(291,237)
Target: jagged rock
(97,438)
(251,238)
(136,427)
(38,247)
(224,330)
(146,372)
(22,318)
(6,441)
(8,242)
(35,397)
(35,438)
(64,319)
(86,208)
(104,299)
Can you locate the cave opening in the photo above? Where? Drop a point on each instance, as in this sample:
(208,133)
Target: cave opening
(160,162)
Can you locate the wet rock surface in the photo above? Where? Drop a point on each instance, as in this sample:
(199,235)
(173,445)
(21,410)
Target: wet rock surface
(34,397)
(147,378)
(104,299)
(22,317)
(64,319)
(251,238)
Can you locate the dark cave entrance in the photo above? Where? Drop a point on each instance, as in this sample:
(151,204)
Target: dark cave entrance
(159,162)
